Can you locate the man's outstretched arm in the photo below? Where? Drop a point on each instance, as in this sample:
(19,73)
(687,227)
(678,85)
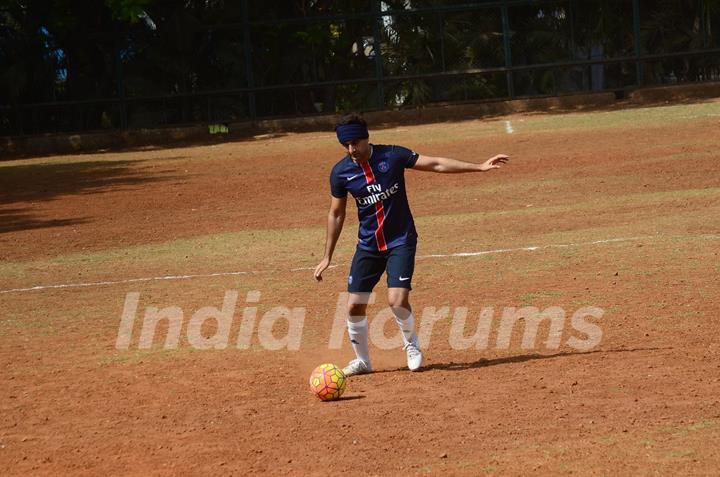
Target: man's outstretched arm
(336,218)
(447,165)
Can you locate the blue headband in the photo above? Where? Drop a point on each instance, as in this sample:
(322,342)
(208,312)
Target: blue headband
(348,132)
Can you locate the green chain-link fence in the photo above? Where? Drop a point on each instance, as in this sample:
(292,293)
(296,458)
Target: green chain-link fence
(218,62)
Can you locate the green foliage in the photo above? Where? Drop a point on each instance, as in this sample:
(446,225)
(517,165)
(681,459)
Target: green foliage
(128,10)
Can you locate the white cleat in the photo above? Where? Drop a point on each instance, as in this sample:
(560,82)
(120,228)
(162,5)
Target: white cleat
(414,356)
(357,366)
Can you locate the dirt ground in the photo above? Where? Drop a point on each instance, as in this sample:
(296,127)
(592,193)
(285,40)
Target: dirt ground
(618,210)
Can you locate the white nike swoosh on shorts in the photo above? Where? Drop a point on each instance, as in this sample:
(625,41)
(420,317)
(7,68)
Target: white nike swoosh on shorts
(404,279)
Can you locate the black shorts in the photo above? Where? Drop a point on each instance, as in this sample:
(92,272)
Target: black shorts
(367,268)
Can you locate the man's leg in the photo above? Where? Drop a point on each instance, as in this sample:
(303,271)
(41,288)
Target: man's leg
(365,271)
(357,325)
(399,301)
(400,268)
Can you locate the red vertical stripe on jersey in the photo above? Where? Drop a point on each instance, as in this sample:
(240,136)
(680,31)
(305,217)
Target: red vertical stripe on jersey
(379,235)
(379,210)
(369,176)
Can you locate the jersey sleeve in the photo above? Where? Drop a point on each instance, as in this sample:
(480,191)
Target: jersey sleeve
(337,187)
(406,156)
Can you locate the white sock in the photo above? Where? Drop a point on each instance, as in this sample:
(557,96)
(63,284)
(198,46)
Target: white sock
(358,332)
(407,326)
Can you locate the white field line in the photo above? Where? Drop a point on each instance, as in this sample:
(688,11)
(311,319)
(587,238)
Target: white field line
(533,248)
(227,274)
(130,280)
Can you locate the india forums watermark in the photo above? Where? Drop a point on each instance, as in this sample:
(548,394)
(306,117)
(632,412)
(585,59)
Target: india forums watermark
(281,327)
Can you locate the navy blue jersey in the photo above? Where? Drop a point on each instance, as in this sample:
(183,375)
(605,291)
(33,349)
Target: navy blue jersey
(378,187)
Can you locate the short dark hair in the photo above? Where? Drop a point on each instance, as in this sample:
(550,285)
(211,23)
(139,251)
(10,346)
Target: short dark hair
(352,118)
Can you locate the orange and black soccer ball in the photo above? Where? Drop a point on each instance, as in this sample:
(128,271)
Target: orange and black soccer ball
(328,382)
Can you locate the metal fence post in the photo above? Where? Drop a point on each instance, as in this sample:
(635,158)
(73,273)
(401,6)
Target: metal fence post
(376,19)
(508,52)
(441,22)
(639,67)
(252,108)
(120,79)
(704,19)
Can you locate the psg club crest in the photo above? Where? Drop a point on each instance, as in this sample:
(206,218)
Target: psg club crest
(383,166)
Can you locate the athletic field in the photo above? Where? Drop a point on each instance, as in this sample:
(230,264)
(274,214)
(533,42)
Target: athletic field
(616,211)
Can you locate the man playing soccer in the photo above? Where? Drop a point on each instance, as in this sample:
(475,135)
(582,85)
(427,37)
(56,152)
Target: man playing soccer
(375,177)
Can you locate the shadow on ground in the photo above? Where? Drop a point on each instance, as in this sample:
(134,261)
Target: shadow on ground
(15,219)
(482,363)
(22,185)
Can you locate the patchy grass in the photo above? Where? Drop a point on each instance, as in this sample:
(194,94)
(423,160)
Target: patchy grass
(633,118)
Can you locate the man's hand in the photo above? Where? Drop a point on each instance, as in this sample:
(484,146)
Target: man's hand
(494,162)
(322,266)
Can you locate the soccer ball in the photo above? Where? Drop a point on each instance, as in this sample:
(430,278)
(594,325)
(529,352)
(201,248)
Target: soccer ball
(327,382)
